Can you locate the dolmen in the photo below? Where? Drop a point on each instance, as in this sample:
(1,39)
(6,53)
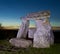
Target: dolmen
(42,34)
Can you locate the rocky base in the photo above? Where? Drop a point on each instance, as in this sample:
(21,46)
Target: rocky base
(20,42)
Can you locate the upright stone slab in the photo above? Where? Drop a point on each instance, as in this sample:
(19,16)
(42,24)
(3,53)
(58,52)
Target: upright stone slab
(42,36)
(31,32)
(51,37)
(22,32)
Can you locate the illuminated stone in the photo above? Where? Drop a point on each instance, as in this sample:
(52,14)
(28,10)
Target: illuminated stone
(43,36)
(22,32)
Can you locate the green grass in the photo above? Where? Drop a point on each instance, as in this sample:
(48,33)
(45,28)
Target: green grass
(6,48)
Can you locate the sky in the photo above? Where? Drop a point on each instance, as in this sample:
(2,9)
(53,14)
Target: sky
(12,10)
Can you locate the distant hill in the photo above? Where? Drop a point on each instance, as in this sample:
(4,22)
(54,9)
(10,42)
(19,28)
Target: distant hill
(10,27)
(55,28)
(17,27)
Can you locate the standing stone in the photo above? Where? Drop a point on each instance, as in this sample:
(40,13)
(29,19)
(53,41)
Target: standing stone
(22,32)
(51,37)
(31,32)
(42,36)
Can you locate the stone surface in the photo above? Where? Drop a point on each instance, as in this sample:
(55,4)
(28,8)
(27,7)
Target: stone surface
(31,32)
(43,36)
(22,32)
(51,37)
(41,14)
(20,42)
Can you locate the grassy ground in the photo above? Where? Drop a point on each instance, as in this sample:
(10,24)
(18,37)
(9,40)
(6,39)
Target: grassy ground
(6,48)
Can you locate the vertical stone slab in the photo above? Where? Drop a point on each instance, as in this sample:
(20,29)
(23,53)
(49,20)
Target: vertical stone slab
(31,32)
(42,36)
(51,37)
(50,32)
(26,29)
(23,29)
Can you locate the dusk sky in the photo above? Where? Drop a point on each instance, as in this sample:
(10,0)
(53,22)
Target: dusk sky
(12,10)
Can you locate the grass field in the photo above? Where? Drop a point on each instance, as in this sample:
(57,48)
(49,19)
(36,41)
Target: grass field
(6,48)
